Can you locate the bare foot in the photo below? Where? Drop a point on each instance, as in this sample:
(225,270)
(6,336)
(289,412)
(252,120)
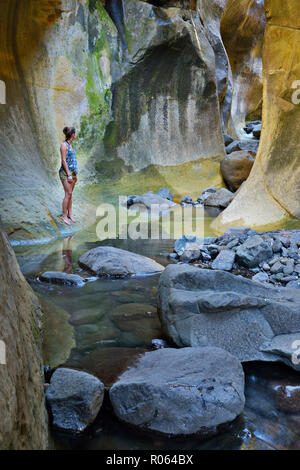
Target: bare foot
(65,220)
(72,218)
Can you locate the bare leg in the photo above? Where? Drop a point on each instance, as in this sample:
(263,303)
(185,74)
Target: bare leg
(68,194)
(70,202)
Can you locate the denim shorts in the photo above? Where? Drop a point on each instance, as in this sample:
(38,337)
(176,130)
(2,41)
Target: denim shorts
(63,175)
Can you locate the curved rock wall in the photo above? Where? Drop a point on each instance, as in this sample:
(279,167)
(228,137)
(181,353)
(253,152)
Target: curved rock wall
(55,63)
(147,70)
(272,191)
(242,31)
(22,409)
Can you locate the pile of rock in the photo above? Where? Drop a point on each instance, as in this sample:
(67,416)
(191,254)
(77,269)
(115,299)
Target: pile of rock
(268,257)
(210,197)
(237,164)
(162,200)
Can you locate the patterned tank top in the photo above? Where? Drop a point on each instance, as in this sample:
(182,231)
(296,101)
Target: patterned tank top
(71,159)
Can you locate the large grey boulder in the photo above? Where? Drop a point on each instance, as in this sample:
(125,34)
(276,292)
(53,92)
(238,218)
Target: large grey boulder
(74,399)
(111,261)
(56,277)
(221,199)
(236,167)
(180,391)
(202,307)
(253,251)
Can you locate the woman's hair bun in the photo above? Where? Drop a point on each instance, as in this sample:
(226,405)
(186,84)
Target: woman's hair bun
(69,131)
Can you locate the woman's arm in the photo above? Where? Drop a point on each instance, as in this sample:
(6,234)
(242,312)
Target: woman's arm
(63,152)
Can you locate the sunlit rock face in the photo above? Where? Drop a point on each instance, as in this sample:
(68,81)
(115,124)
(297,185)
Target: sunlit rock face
(55,74)
(272,190)
(22,405)
(242,31)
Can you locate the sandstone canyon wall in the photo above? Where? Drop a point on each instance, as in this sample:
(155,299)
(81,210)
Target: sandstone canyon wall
(22,408)
(242,30)
(149,85)
(52,70)
(272,191)
(138,79)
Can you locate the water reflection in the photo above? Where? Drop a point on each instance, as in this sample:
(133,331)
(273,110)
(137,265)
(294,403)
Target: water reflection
(67,254)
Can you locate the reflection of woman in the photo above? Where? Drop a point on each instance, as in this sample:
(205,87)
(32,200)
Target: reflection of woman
(67,255)
(68,172)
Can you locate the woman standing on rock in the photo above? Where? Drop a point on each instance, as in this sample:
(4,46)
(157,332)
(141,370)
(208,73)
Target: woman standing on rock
(68,172)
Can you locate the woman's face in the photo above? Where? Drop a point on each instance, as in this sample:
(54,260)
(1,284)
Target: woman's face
(74,136)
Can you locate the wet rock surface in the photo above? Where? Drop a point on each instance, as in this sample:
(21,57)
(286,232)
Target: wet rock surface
(201,307)
(74,398)
(57,334)
(180,392)
(115,262)
(55,277)
(150,200)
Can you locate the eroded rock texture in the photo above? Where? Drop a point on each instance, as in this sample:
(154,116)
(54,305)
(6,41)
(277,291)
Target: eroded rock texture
(165,103)
(272,190)
(22,407)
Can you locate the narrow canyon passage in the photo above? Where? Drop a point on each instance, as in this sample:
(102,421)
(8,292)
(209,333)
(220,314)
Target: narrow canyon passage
(166,317)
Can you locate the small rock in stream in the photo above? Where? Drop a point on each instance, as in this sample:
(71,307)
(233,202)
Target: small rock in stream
(74,399)
(55,277)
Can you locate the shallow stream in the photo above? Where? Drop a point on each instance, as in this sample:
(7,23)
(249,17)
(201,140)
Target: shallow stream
(95,328)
